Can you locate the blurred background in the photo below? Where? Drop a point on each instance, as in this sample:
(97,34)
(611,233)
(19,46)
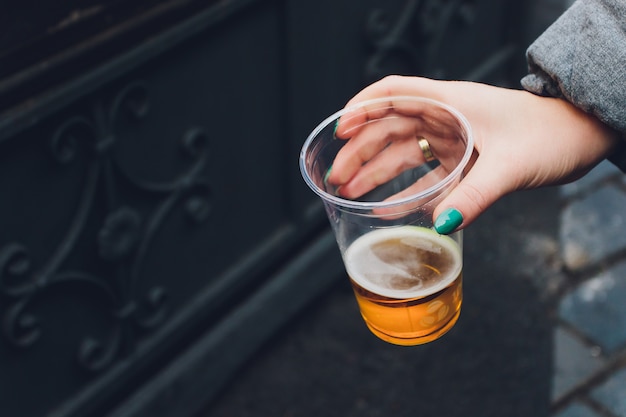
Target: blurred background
(160,254)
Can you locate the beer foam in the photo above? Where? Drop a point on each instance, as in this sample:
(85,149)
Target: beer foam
(378,266)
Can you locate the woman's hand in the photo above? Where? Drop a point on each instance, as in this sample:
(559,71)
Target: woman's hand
(522,141)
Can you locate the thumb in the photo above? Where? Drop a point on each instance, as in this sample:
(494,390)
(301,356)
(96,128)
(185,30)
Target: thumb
(475,193)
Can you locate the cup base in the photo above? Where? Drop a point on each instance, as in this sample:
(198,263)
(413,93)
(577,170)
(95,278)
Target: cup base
(414,341)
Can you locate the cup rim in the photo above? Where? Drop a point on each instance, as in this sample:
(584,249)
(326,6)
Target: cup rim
(372,205)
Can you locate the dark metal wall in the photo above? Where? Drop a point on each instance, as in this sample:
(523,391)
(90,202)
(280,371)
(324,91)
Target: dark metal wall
(154,227)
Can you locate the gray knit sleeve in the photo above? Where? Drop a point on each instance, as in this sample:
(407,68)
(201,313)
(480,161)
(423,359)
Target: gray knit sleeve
(581,57)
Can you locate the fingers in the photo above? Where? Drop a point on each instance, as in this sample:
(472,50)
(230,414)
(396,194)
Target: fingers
(394,159)
(386,136)
(483,185)
(349,124)
(361,170)
(396,85)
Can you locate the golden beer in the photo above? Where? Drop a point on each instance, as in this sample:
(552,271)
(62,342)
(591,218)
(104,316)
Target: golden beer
(408,283)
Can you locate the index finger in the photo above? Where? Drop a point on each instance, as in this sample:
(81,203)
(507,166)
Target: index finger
(396,85)
(362,113)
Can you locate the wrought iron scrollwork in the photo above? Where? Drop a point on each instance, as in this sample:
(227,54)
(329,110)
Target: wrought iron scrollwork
(124,238)
(15,265)
(411,43)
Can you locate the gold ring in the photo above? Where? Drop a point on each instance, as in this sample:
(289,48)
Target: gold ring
(425,147)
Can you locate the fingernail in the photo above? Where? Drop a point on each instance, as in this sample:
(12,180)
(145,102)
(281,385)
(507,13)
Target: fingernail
(327,174)
(335,129)
(448,221)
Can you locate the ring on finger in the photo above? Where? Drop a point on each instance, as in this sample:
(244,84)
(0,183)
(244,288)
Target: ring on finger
(425,147)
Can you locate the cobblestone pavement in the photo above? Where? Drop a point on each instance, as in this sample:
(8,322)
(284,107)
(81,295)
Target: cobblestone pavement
(590,336)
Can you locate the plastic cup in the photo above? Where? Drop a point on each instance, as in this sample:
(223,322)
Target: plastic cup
(381,167)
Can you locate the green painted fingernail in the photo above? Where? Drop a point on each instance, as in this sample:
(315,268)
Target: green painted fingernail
(335,129)
(448,221)
(327,174)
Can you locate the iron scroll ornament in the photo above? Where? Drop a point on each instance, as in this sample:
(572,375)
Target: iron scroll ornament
(410,44)
(123,241)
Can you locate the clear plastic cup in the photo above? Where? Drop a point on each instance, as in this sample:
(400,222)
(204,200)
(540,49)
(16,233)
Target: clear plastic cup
(381,167)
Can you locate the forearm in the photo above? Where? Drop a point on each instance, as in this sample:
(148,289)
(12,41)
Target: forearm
(582,58)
